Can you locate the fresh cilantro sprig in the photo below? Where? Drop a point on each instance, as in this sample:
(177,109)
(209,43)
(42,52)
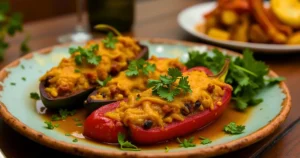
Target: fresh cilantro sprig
(186,143)
(50,126)
(10,22)
(88,54)
(246,75)
(137,66)
(233,128)
(205,141)
(63,114)
(110,41)
(34,95)
(104,82)
(126,145)
(165,87)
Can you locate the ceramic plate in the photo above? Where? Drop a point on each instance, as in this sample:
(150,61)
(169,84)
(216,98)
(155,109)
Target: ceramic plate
(192,16)
(18,109)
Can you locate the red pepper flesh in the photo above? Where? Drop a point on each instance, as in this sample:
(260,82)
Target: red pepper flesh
(104,129)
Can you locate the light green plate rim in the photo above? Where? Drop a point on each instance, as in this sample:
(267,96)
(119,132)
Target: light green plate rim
(21,120)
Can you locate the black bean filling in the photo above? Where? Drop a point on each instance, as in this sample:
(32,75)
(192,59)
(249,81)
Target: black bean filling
(190,108)
(148,124)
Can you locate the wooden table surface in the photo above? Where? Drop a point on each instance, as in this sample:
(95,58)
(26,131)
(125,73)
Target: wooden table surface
(159,19)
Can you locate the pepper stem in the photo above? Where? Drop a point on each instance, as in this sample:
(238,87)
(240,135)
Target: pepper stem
(223,73)
(105,27)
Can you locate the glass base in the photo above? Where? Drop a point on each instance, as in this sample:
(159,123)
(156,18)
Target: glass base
(78,37)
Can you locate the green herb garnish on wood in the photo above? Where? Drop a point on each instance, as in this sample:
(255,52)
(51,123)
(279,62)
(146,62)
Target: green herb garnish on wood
(110,41)
(126,145)
(10,23)
(88,54)
(140,66)
(246,75)
(186,143)
(166,88)
(34,95)
(233,128)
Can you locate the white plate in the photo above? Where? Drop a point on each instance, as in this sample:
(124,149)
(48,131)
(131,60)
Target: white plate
(190,17)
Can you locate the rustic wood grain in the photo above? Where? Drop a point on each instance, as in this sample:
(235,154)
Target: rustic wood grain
(157,18)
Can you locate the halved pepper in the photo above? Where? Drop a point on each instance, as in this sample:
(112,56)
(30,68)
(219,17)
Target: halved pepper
(99,127)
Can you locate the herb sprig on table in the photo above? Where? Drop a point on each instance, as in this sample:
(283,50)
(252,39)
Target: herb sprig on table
(10,24)
(246,75)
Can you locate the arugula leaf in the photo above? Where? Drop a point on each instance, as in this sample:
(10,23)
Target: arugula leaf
(205,141)
(165,87)
(186,143)
(34,95)
(126,145)
(246,75)
(104,82)
(110,41)
(49,125)
(140,65)
(233,128)
(88,54)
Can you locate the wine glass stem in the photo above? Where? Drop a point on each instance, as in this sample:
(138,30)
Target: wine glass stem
(79,10)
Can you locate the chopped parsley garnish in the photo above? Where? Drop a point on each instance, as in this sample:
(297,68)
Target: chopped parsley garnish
(165,87)
(126,145)
(233,128)
(246,75)
(12,83)
(205,140)
(88,54)
(34,95)
(76,119)
(186,143)
(75,140)
(77,71)
(166,149)
(110,41)
(138,97)
(49,125)
(55,117)
(79,124)
(140,66)
(56,126)
(104,82)
(23,78)
(23,67)
(64,113)
(67,134)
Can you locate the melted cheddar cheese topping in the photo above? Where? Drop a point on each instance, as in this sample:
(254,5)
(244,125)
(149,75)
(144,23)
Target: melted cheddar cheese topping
(205,90)
(63,80)
(122,86)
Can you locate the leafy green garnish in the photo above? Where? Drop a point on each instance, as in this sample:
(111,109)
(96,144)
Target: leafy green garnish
(233,128)
(246,75)
(75,140)
(67,134)
(186,143)
(126,145)
(205,140)
(56,125)
(55,117)
(10,23)
(165,87)
(49,125)
(110,41)
(166,149)
(23,67)
(77,71)
(12,83)
(64,113)
(140,66)
(34,95)
(104,82)
(23,78)
(79,124)
(76,119)
(88,54)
